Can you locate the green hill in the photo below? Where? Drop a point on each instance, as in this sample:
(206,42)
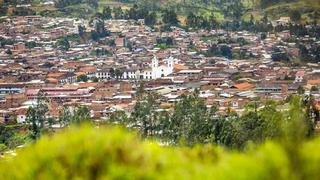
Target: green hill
(309,10)
(91,153)
(227,9)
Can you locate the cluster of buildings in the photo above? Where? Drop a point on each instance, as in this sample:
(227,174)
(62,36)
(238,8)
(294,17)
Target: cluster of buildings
(115,66)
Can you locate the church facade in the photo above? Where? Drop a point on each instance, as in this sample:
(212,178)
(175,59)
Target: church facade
(161,70)
(156,70)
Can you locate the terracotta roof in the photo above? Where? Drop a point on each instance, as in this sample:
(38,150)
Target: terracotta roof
(83,85)
(243,86)
(179,67)
(55,75)
(79,73)
(164,104)
(22,111)
(88,69)
(300,73)
(314,82)
(80,85)
(74,64)
(52,80)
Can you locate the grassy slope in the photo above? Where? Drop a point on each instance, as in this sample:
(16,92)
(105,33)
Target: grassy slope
(306,7)
(112,4)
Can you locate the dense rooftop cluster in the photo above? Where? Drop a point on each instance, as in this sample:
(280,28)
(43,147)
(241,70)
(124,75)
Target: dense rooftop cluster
(62,58)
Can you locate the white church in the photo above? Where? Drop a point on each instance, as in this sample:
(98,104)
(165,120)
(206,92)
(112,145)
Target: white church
(162,70)
(156,70)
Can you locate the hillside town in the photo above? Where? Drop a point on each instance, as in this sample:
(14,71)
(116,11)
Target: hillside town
(229,69)
(159,89)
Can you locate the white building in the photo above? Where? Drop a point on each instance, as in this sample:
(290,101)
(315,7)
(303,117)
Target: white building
(162,70)
(21,118)
(299,76)
(129,74)
(103,74)
(155,71)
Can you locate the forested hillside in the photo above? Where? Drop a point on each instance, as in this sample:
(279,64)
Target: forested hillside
(229,9)
(223,10)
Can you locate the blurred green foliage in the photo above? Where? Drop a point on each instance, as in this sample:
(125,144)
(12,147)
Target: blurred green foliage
(112,153)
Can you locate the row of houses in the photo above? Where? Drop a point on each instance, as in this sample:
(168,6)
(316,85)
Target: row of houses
(106,75)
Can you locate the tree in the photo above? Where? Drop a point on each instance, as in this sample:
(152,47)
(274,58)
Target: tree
(94,79)
(251,20)
(66,117)
(63,44)
(150,19)
(4,41)
(10,136)
(81,30)
(311,114)
(213,23)
(93,3)
(9,52)
(82,78)
(31,44)
(99,29)
(3,148)
(226,51)
(304,53)
(99,15)
(81,115)
(300,90)
(137,12)
(296,129)
(314,89)
(272,120)
(295,15)
(191,20)
(266,3)
(112,73)
(144,116)
(141,89)
(48,65)
(188,122)
(118,73)
(170,17)
(95,36)
(118,13)
(119,117)
(65,3)
(3,9)
(36,116)
(133,12)
(107,13)
(252,128)
(23,11)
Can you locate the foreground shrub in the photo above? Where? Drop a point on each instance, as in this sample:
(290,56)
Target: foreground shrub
(112,153)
